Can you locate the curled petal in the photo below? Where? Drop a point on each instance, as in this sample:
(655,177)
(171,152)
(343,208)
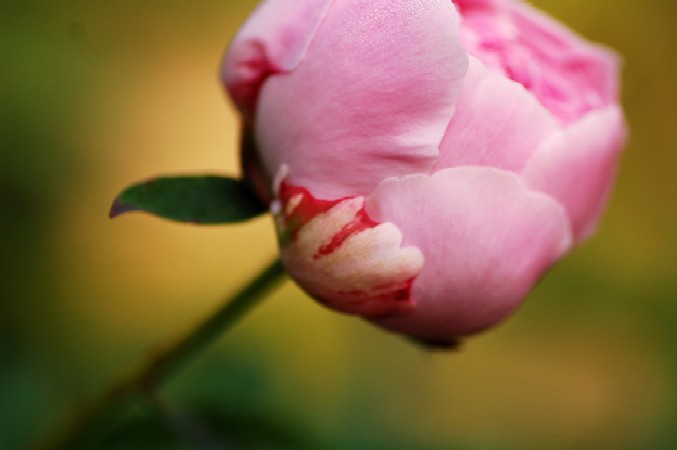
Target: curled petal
(486,240)
(577,167)
(274,40)
(341,257)
(371,99)
(497,123)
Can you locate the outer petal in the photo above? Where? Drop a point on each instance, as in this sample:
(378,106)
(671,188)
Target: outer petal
(274,40)
(371,99)
(343,258)
(497,123)
(577,166)
(486,240)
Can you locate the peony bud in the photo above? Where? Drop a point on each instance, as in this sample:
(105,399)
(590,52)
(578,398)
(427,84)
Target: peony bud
(427,160)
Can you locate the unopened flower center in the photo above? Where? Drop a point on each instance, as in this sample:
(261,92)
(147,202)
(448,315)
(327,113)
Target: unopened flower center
(562,79)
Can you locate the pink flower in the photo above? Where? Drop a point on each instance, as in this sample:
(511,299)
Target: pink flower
(427,161)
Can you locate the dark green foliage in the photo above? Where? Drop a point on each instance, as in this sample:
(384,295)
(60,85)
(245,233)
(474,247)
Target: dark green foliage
(203,199)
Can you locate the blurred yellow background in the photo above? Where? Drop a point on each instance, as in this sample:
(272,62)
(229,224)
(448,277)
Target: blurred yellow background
(94,95)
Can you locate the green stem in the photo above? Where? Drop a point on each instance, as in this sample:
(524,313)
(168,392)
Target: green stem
(165,364)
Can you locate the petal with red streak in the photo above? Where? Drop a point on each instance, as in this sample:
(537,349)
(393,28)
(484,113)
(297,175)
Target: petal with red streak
(341,257)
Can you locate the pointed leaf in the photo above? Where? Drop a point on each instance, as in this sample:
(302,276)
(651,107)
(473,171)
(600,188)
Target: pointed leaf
(202,199)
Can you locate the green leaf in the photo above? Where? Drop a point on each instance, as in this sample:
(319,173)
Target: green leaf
(203,199)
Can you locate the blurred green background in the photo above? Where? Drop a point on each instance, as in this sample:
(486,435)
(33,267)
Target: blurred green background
(94,95)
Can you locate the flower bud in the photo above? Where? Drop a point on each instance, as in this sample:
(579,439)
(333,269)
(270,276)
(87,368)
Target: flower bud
(428,160)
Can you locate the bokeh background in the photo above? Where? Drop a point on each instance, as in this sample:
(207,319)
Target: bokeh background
(94,95)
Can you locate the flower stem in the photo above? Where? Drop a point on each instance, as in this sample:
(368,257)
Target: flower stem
(164,364)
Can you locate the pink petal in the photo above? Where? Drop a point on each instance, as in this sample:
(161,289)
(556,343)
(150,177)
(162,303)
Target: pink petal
(274,40)
(577,166)
(486,240)
(497,123)
(593,66)
(341,257)
(568,75)
(371,99)
(469,5)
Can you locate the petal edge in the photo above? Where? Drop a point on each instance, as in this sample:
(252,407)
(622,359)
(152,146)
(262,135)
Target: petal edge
(486,239)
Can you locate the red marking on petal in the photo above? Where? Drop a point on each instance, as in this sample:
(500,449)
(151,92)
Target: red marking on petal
(395,299)
(298,207)
(361,222)
(308,207)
